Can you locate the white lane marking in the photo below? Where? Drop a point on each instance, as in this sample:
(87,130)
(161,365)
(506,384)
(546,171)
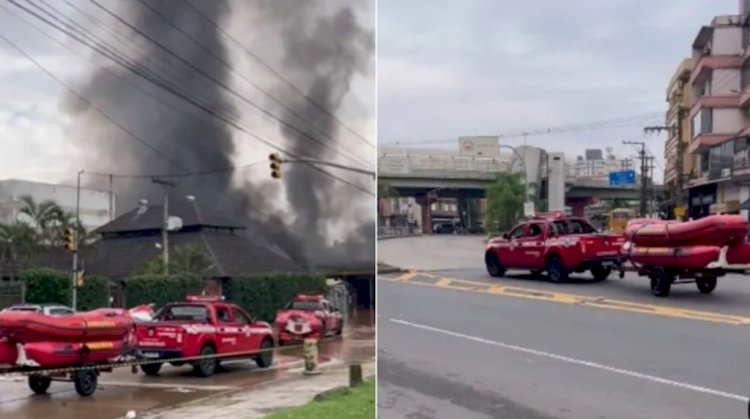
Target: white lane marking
(581,362)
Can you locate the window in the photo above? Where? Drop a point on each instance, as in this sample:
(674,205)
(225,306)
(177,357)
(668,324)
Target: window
(184,313)
(240,317)
(303,305)
(222,315)
(702,122)
(534,230)
(60,311)
(517,232)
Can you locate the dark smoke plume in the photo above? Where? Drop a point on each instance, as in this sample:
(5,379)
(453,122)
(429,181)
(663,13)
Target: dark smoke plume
(322,48)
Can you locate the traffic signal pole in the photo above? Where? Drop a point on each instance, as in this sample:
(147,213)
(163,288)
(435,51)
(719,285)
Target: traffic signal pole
(76,233)
(327,163)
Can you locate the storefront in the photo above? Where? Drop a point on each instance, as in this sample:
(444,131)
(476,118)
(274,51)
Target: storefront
(700,199)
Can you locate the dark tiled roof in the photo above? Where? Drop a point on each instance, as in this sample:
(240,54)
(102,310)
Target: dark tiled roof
(152,218)
(234,255)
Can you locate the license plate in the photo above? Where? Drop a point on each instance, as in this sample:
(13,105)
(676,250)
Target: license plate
(151,355)
(297,327)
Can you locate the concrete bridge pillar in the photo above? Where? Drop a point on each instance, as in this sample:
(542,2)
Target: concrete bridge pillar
(425,202)
(578,205)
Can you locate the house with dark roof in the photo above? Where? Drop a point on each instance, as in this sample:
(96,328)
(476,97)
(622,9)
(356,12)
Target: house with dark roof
(135,237)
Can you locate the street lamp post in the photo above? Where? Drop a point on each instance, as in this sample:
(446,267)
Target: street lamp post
(525,172)
(165,227)
(76,238)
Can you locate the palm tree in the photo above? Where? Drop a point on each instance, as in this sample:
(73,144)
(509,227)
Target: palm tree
(45,217)
(18,241)
(190,259)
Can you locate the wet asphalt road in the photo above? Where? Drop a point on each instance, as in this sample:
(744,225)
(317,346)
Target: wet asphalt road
(121,391)
(446,353)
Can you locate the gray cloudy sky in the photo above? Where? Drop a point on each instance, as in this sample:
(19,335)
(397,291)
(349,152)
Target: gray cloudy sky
(448,68)
(36,135)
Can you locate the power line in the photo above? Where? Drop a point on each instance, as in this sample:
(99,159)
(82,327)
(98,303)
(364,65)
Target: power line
(232,69)
(178,175)
(605,124)
(274,72)
(178,94)
(192,66)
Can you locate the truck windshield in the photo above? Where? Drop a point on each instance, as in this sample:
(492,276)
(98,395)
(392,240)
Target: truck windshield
(184,313)
(304,305)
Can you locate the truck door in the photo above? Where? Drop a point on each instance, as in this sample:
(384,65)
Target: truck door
(247,340)
(511,256)
(228,332)
(531,246)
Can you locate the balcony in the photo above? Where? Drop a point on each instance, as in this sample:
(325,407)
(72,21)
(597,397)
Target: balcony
(707,63)
(715,102)
(703,142)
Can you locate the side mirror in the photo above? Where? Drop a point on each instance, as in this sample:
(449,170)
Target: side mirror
(506,236)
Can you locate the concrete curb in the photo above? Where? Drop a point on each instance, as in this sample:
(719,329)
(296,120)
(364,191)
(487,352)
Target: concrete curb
(399,237)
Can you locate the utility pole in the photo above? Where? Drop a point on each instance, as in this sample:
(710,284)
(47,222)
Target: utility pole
(76,238)
(644,173)
(678,193)
(165,226)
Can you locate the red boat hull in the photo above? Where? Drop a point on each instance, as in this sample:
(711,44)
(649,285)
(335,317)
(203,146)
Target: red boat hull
(693,257)
(97,325)
(716,230)
(63,354)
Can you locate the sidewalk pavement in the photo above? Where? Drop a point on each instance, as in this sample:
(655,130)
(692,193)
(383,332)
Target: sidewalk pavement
(291,391)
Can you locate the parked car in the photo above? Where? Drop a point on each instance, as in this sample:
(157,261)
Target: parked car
(46,309)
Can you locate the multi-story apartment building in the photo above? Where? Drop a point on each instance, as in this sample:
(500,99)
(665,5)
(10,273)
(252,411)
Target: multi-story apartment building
(596,167)
(678,162)
(716,117)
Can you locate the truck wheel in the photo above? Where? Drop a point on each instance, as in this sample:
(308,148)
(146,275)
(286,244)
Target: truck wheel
(661,283)
(494,267)
(39,384)
(265,359)
(151,369)
(706,285)
(600,272)
(206,366)
(556,270)
(85,382)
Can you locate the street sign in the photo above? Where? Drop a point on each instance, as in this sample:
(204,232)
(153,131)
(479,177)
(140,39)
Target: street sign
(528,209)
(479,146)
(623,177)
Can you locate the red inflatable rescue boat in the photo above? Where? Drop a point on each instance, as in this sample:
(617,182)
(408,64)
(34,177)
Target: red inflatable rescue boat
(715,230)
(97,325)
(692,257)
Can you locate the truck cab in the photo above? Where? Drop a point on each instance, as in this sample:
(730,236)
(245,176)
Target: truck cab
(556,244)
(201,331)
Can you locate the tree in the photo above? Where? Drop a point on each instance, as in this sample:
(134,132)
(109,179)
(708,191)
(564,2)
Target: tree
(505,198)
(189,259)
(18,242)
(45,217)
(385,192)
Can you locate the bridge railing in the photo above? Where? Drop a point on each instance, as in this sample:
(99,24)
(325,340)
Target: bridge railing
(389,232)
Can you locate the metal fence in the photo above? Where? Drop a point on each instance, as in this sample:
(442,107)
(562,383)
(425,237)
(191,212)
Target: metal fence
(12,292)
(401,231)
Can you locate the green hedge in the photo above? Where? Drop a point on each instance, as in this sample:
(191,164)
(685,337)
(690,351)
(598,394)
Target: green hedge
(52,286)
(160,289)
(263,295)
(260,295)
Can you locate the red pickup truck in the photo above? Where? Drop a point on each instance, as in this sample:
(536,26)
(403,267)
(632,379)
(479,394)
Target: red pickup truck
(556,244)
(206,327)
(308,316)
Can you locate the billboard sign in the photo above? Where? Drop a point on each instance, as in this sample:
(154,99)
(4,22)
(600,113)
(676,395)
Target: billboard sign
(479,146)
(621,178)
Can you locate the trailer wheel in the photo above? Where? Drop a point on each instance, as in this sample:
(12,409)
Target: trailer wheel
(706,285)
(85,382)
(206,366)
(494,267)
(556,270)
(39,384)
(151,369)
(600,273)
(661,283)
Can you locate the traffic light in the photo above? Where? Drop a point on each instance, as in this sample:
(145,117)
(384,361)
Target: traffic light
(80,279)
(70,239)
(275,165)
